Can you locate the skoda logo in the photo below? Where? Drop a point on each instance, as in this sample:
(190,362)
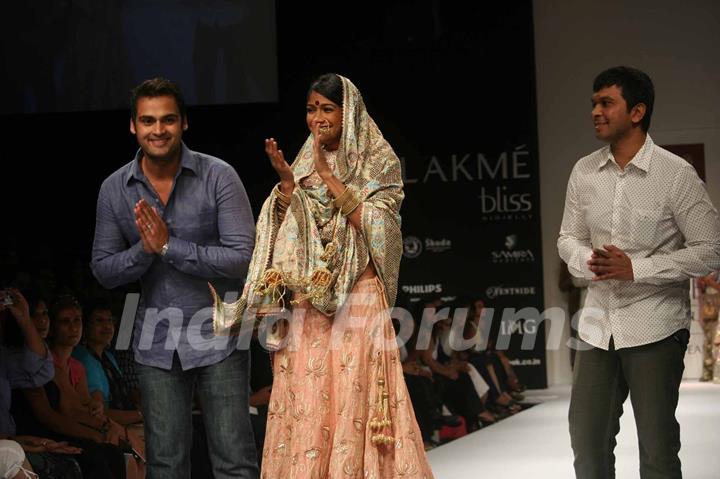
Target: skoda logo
(412,247)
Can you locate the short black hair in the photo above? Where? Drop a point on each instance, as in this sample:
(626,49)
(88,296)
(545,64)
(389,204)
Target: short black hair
(61,303)
(33,298)
(94,304)
(635,85)
(330,86)
(153,88)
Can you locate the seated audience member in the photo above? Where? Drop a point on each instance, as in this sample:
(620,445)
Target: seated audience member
(105,381)
(460,311)
(26,363)
(515,388)
(46,411)
(456,385)
(490,364)
(510,377)
(504,370)
(418,378)
(38,313)
(66,328)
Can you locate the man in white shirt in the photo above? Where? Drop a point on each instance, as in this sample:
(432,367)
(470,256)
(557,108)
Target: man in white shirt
(638,223)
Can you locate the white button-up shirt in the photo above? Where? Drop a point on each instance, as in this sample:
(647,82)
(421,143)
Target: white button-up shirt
(658,212)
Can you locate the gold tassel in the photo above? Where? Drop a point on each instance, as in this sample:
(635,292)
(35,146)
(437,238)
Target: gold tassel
(381,423)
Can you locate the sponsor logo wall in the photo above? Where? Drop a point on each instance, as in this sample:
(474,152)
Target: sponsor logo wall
(489,248)
(471,214)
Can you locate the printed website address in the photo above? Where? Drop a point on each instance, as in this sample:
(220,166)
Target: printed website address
(526,362)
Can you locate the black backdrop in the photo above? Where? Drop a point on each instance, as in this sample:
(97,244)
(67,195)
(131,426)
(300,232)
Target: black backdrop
(444,82)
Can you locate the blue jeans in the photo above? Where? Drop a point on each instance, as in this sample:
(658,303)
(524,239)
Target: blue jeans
(222,390)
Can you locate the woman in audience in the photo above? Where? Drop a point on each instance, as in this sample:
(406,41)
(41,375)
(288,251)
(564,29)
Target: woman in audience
(105,381)
(65,332)
(26,363)
(459,393)
(38,412)
(38,313)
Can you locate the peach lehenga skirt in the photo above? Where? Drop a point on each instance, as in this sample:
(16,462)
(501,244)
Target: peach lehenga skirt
(327,405)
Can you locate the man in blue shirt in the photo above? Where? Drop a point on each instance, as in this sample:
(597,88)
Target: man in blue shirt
(175,219)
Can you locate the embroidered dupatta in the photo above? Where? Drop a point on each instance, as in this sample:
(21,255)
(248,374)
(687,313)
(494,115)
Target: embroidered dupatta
(296,249)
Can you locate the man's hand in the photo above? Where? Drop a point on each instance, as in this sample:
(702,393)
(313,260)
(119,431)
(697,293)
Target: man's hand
(153,230)
(612,263)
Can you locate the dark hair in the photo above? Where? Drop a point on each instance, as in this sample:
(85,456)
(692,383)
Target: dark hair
(61,303)
(93,305)
(330,86)
(156,87)
(636,87)
(33,298)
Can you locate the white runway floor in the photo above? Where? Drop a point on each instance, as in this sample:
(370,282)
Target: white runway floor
(535,444)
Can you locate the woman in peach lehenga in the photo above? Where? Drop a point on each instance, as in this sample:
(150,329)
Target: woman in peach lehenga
(329,237)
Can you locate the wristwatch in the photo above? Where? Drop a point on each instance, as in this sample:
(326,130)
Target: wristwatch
(164,248)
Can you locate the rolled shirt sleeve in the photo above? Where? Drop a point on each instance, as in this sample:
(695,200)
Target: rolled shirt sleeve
(26,369)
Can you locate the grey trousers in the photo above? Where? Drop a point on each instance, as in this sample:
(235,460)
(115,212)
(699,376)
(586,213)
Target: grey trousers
(602,379)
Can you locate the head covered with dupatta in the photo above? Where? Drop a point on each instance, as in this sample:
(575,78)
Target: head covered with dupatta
(292,256)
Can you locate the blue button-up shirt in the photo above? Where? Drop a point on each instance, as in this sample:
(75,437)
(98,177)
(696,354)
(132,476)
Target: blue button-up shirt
(20,369)
(212,234)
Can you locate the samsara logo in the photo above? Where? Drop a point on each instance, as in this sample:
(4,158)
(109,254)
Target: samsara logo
(511,241)
(511,253)
(412,247)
